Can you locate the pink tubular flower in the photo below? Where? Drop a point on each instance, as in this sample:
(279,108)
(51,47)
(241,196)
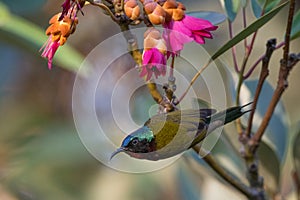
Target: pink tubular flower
(187,29)
(49,50)
(62,25)
(153,62)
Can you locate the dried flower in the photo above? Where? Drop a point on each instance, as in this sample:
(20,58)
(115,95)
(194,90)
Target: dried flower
(132,9)
(62,25)
(156,14)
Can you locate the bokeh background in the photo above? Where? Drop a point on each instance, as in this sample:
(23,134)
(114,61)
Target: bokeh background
(41,156)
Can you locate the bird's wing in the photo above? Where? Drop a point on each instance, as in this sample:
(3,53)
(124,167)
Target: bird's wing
(178,128)
(182,116)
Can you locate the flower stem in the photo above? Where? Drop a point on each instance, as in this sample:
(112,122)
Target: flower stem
(104,7)
(248,74)
(194,79)
(233,49)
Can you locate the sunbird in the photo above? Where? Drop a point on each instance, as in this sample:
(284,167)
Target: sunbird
(168,134)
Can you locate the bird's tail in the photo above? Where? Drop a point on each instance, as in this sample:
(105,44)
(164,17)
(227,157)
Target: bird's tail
(229,114)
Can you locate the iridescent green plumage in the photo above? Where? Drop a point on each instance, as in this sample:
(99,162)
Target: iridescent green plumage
(166,135)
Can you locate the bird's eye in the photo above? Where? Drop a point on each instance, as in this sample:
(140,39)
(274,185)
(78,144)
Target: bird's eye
(135,141)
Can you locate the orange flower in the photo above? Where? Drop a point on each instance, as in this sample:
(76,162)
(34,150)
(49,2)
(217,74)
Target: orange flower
(62,25)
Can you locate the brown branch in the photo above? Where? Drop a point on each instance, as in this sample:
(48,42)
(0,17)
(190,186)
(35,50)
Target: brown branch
(208,158)
(296,179)
(286,65)
(271,44)
(106,9)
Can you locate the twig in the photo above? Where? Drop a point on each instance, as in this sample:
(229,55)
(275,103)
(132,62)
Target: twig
(263,75)
(296,182)
(172,66)
(193,80)
(248,74)
(104,7)
(286,65)
(233,49)
(208,158)
(248,51)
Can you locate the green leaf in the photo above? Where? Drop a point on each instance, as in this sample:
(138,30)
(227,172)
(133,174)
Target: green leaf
(263,6)
(295,33)
(187,187)
(24,7)
(231,7)
(296,152)
(270,4)
(256,8)
(248,31)
(226,154)
(269,166)
(23,32)
(214,17)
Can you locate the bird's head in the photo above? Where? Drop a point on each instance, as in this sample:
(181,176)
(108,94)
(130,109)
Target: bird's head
(138,144)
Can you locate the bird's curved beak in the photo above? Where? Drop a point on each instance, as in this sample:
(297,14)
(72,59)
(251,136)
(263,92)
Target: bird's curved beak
(119,150)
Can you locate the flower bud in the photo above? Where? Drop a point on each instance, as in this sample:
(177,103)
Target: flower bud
(178,14)
(61,29)
(181,6)
(175,10)
(155,12)
(132,9)
(169,6)
(153,39)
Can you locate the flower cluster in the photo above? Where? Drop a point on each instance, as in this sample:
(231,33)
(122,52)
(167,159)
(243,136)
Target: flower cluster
(179,29)
(62,25)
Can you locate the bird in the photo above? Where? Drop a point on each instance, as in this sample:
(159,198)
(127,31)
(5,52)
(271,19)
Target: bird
(168,134)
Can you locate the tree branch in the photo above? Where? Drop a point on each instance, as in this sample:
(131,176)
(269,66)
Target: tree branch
(296,182)
(271,44)
(286,64)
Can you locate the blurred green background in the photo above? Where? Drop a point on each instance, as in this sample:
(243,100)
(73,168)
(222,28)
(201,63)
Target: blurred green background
(41,156)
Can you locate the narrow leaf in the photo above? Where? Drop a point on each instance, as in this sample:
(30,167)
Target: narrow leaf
(248,31)
(269,167)
(270,4)
(296,152)
(256,8)
(296,26)
(263,6)
(231,7)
